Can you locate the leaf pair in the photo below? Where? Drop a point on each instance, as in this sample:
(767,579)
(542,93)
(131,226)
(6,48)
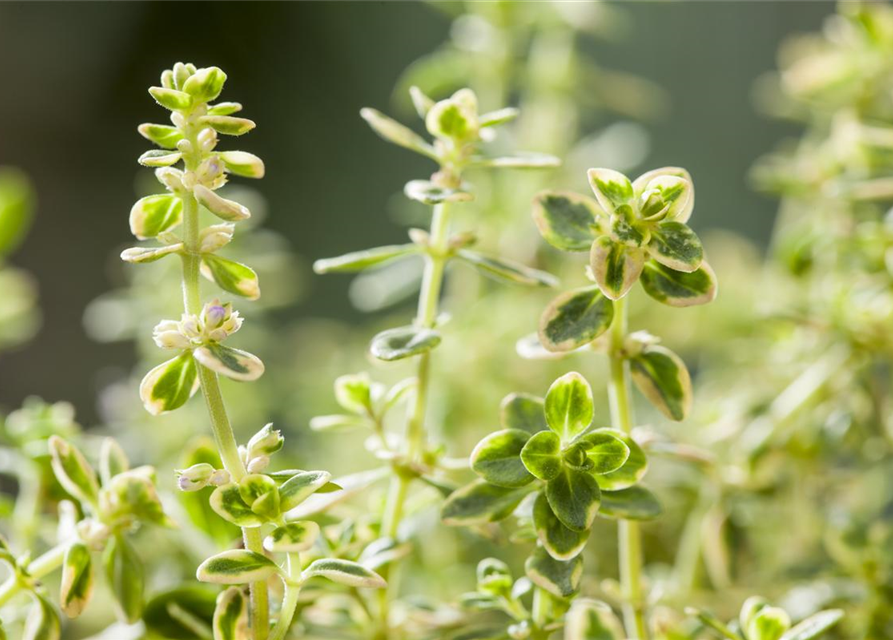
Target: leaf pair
(258,498)
(240,566)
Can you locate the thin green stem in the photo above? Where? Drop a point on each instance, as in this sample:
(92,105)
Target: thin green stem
(629,535)
(429,297)
(38,568)
(290,601)
(540,614)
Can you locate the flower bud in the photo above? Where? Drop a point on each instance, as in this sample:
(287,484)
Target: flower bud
(207,139)
(196,477)
(265,442)
(167,79)
(179,121)
(93,533)
(216,236)
(219,478)
(181,74)
(170,178)
(167,335)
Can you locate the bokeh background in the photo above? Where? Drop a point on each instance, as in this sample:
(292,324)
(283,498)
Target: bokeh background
(76,77)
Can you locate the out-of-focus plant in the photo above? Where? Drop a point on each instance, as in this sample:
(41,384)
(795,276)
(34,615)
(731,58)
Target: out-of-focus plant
(19,317)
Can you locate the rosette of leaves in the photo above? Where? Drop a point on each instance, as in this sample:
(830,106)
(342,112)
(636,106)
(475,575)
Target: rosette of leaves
(758,620)
(633,231)
(548,450)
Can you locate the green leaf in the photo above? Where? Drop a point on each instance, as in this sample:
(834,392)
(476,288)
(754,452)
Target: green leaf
(814,625)
(420,101)
(73,471)
(575,318)
(403,342)
(229,362)
(224,209)
(132,495)
(675,245)
(361,260)
(171,99)
(615,266)
(237,566)
(169,385)
(77,579)
(230,615)
(497,458)
(507,271)
(498,117)
(679,289)
(480,502)
(427,192)
(205,84)
(337,422)
(124,574)
(493,576)
(521,160)
(262,494)
(230,276)
(643,183)
(574,497)
(393,131)
(523,411)
(17,202)
(150,254)
(228,125)
(604,452)
(633,469)
(560,542)
(769,623)
(662,377)
(224,108)
(567,221)
(671,196)
(292,537)
(542,455)
(242,163)
(160,158)
(344,572)
(560,578)
(612,189)
(164,615)
(112,460)
(354,393)
(154,214)
(300,487)
(451,119)
(592,620)
(42,622)
(568,406)
(227,502)
(632,503)
(710,621)
(163,135)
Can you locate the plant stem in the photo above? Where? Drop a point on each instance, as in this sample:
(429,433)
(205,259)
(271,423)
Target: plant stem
(220,424)
(629,535)
(540,614)
(37,569)
(432,283)
(290,601)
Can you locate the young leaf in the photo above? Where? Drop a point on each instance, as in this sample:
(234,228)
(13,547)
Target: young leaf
(497,459)
(632,503)
(169,385)
(403,342)
(452,119)
(574,497)
(542,455)
(480,502)
(171,99)
(679,289)
(420,101)
(354,393)
(592,620)
(393,131)
(567,220)
(814,625)
(205,84)
(124,574)
(498,117)
(360,260)
(769,623)
(676,193)
(230,276)
(675,245)
(521,160)
(662,377)
(73,471)
(616,266)
(237,566)
(612,189)
(641,184)
(227,502)
(160,158)
(132,495)
(300,487)
(224,209)
(633,469)
(506,271)
(228,125)
(344,572)
(163,135)
(112,460)
(560,542)
(604,452)
(229,362)
(154,214)
(575,318)
(524,412)
(42,622)
(560,578)
(150,254)
(337,422)
(427,192)
(224,108)
(242,163)
(230,615)
(292,537)
(568,406)
(77,580)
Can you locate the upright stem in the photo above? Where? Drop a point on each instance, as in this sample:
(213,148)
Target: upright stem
(432,283)
(290,601)
(629,535)
(220,424)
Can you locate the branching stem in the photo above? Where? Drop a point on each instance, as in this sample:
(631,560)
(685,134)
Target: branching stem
(41,566)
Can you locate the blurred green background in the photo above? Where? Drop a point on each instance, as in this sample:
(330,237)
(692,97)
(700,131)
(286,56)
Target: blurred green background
(76,77)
